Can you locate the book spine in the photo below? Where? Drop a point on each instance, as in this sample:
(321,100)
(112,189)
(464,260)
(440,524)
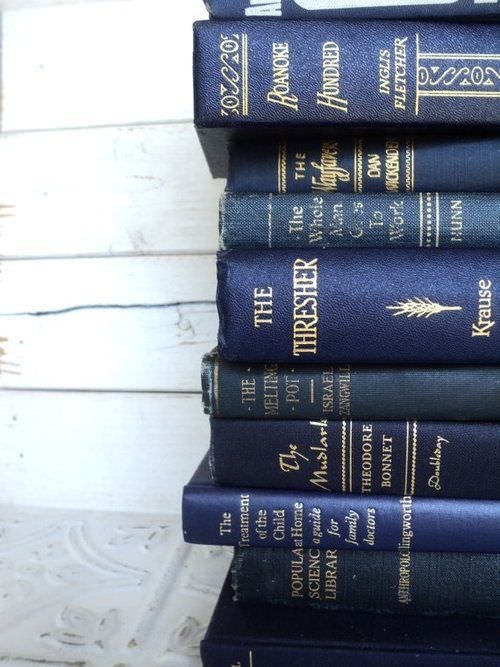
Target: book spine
(339,220)
(371,306)
(324,391)
(389,164)
(242,653)
(328,9)
(296,73)
(227,516)
(428,459)
(381,582)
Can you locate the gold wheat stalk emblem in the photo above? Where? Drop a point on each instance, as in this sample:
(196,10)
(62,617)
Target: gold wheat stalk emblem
(418,307)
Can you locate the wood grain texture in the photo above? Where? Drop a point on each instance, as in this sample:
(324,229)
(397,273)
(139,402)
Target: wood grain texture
(98,63)
(107,191)
(110,451)
(119,324)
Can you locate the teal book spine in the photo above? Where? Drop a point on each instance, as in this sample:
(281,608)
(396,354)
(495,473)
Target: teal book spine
(342,220)
(271,390)
(450,584)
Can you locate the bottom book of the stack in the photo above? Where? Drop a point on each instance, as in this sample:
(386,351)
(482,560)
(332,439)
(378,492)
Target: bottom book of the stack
(254,635)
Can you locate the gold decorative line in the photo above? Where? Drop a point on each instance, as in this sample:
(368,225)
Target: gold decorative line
(344,438)
(417,95)
(244,72)
(355,167)
(414,458)
(469,56)
(350,456)
(359,168)
(437,219)
(312,391)
(270,221)
(428,220)
(421,201)
(458,93)
(216,386)
(412,140)
(282,169)
(406,456)
(408,164)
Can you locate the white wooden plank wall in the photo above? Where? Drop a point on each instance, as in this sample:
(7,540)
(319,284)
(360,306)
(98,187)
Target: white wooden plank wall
(108,225)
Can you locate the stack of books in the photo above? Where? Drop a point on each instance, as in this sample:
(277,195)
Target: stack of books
(355,393)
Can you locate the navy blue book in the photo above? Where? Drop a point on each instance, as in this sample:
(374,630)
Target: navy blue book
(369,306)
(329,9)
(368,220)
(427,459)
(336,74)
(431,583)
(391,164)
(247,517)
(323,391)
(255,635)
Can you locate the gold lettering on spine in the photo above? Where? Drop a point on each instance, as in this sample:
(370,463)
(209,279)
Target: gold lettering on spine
(329,95)
(330,172)
(392,175)
(281,92)
(404,550)
(305,307)
(244,520)
(400,73)
(282,169)
(485,321)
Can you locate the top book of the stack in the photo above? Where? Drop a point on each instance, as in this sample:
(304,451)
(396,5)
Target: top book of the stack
(321,9)
(280,78)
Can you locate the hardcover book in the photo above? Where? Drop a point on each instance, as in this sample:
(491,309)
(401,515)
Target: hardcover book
(274,79)
(271,390)
(345,220)
(324,9)
(247,517)
(254,635)
(428,459)
(368,306)
(382,582)
(394,163)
